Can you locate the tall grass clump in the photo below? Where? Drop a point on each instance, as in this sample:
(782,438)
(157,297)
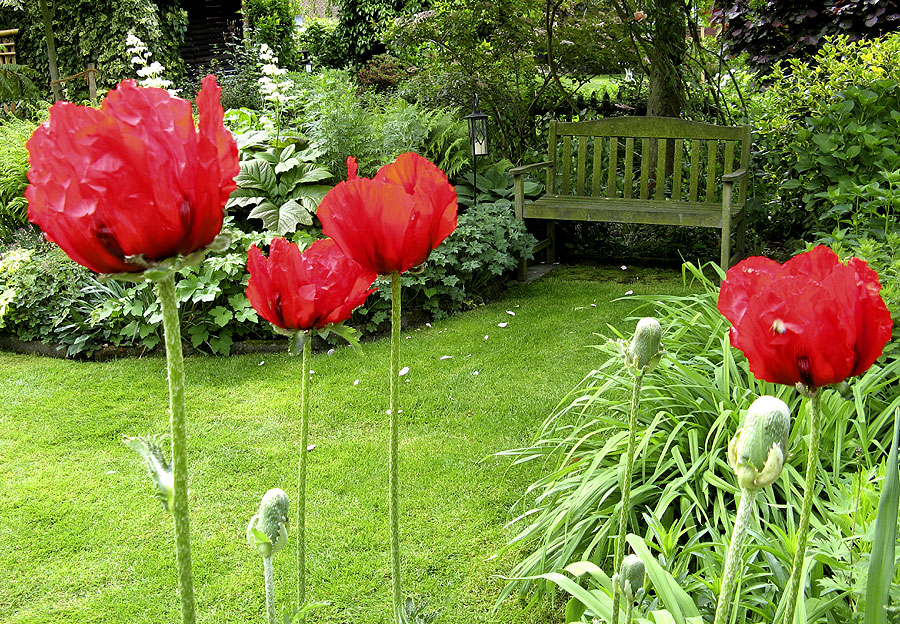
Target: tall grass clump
(14,133)
(683,503)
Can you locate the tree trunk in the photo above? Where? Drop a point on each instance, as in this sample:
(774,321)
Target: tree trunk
(55,86)
(666,54)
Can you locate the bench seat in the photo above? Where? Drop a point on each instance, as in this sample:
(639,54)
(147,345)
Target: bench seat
(605,210)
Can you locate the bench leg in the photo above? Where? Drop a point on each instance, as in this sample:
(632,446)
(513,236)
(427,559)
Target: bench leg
(523,269)
(551,236)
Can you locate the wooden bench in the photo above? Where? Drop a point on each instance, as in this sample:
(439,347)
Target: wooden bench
(653,170)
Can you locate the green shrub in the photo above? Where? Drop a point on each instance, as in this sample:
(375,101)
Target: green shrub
(272,23)
(320,38)
(14,133)
(825,127)
(683,495)
(94,31)
(488,243)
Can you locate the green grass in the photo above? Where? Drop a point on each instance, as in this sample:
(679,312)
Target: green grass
(82,539)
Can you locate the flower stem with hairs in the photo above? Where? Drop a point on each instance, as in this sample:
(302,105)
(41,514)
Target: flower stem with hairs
(393,478)
(178,425)
(269,573)
(301,478)
(626,488)
(812,462)
(733,558)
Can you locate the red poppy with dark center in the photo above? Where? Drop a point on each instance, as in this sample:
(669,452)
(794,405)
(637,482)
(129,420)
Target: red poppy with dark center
(390,223)
(134,177)
(308,290)
(813,320)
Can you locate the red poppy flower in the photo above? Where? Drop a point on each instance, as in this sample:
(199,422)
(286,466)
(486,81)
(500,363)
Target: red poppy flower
(391,222)
(312,289)
(813,319)
(132,177)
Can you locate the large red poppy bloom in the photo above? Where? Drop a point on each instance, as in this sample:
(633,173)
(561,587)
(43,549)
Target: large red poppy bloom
(308,290)
(391,222)
(813,319)
(132,177)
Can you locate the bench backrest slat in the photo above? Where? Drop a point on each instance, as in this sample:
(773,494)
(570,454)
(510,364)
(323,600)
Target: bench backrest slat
(613,167)
(598,166)
(711,164)
(677,173)
(629,167)
(645,168)
(657,158)
(582,166)
(661,151)
(695,169)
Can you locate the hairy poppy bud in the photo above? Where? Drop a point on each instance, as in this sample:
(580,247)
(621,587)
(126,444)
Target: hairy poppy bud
(159,468)
(643,352)
(630,579)
(267,531)
(758,449)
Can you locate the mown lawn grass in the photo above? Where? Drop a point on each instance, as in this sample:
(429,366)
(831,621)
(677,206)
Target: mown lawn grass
(82,540)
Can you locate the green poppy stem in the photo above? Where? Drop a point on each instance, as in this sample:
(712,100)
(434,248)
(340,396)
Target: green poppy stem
(628,611)
(269,573)
(733,559)
(301,477)
(393,478)
(812,462)
(165,289)
(626,489)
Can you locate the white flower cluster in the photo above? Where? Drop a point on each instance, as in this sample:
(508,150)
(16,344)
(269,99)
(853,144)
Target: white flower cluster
(150,74)
(272,86)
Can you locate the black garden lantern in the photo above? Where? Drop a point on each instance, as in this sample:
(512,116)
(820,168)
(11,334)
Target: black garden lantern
(478,131)
(478,140)
(307,61)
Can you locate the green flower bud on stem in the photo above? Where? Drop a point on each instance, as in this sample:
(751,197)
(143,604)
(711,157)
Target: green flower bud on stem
(643,353)
(756,453)
(267,531)
(758,449)
(631,578)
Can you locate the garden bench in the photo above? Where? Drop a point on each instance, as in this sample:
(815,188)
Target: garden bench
(670,173)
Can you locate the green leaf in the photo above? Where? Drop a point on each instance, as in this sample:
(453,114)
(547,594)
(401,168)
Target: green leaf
(256,174)
(295,345)
(675,599)
(281,219)
(881,565)
(221,315)
(347,333)
(574,610)
(824,141)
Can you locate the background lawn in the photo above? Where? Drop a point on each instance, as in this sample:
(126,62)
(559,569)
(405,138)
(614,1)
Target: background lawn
(83,540)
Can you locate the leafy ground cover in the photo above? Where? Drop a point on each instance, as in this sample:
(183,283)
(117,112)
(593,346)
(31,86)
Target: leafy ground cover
(84,541)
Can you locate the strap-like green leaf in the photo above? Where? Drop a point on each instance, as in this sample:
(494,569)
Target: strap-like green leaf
(881,565)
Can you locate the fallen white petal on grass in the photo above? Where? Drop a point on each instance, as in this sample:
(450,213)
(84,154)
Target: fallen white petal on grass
(624,268)
(475,372)
(330,352)
(427,324)
(310,447)
(510,312)
(629,292)
(356,382)
(502,324)
(486,336)
(312,372)
(109,472)
(261,363)
(446,357)
(593,305)
(404,370)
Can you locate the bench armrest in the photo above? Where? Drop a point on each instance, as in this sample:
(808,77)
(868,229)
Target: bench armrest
(526,168)
(734,176)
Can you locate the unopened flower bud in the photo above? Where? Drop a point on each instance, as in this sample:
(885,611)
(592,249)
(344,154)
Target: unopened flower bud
(630,579)
(758,449)
(267,531)
(844,390)
(643,352)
